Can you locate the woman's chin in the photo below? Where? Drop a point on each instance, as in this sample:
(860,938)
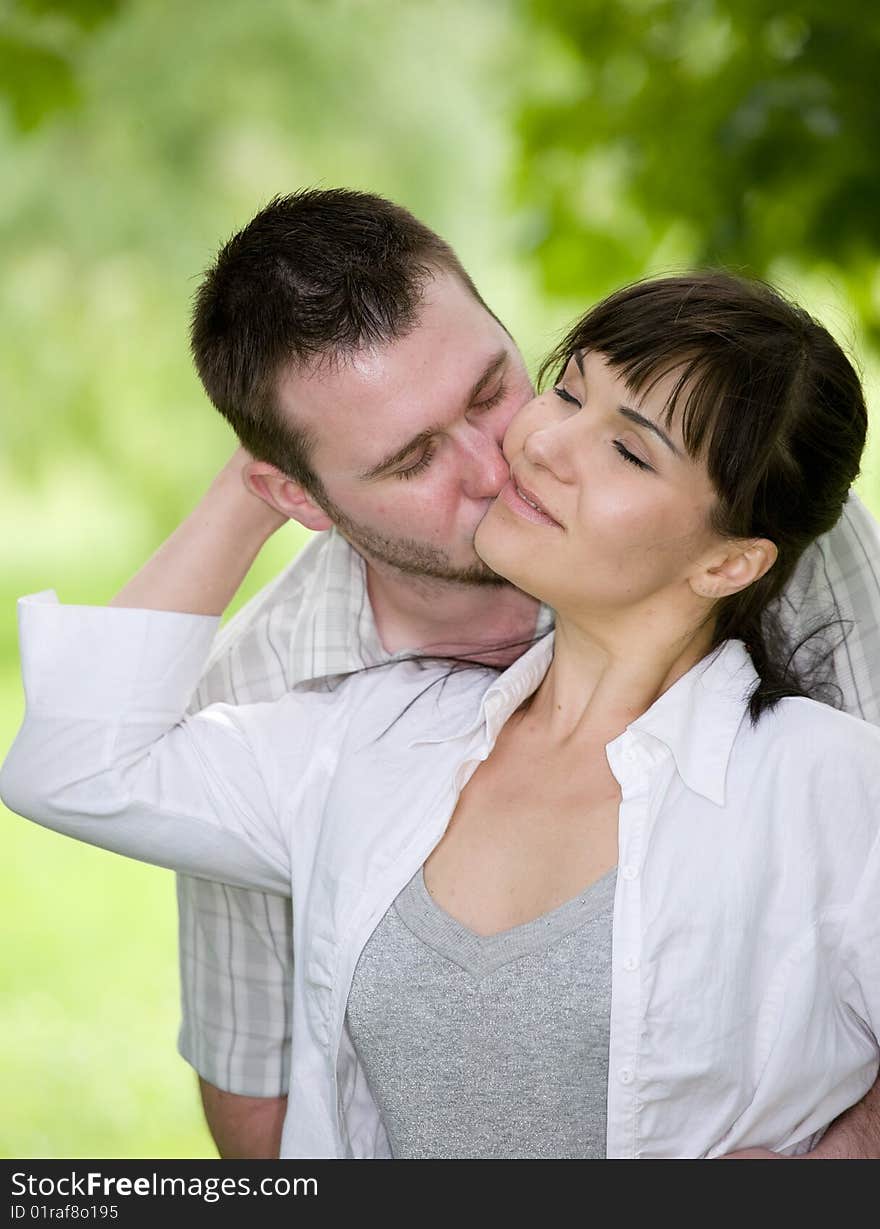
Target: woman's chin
(487,547)
(503,562)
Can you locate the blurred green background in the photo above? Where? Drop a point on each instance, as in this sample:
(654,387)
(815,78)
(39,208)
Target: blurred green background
(562,146)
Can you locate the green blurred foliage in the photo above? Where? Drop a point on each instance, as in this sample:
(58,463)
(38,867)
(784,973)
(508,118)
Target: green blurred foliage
(739,132)
(41,42)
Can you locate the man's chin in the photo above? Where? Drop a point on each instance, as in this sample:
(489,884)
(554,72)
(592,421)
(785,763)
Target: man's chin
(473,574)
(421,562)
(482,574)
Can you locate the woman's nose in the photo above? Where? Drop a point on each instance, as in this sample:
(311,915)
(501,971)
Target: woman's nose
(550,446)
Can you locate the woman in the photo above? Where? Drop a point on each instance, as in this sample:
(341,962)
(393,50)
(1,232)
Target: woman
(617,901)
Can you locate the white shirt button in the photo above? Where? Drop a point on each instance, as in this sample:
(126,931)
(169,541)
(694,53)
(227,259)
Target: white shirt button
(631,963)
(625,1075)
(628,755)
(629,871)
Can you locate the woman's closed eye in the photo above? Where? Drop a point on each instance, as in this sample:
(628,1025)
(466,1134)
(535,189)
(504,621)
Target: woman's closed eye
(565,395)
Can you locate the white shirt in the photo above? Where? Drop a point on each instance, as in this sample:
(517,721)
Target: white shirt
(746,947)
(314,621)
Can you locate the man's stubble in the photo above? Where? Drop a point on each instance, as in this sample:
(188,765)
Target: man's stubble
(407,555)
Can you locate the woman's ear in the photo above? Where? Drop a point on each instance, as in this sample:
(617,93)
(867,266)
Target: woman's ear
(289,498)
(740,565)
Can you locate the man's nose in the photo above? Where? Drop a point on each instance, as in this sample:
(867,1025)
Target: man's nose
(486,470)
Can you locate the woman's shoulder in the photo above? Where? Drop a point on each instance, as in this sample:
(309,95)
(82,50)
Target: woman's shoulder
(796,716)
(811,774)
(811,740)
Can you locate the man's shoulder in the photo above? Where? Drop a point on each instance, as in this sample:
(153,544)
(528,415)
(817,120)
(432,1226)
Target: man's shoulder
(852,544)
(290,596)
(283,634)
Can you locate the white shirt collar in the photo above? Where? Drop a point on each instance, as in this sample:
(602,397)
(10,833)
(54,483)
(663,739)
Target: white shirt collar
(697,718)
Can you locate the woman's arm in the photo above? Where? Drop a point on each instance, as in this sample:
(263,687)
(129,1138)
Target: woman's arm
(104,753)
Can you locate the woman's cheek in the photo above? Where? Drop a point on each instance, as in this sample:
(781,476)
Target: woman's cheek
(529,418)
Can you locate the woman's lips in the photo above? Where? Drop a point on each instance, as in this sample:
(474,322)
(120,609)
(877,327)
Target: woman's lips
(524,506)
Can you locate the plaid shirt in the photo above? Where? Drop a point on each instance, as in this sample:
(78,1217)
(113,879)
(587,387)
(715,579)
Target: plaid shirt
(315,621)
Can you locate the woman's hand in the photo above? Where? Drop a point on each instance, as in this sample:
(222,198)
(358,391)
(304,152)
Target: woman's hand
(199,568)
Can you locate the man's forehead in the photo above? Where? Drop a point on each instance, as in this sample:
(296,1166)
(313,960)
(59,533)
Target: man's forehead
(374,401)
(379,376)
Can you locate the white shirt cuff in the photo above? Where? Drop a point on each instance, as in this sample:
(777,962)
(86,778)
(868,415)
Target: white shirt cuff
(93,661)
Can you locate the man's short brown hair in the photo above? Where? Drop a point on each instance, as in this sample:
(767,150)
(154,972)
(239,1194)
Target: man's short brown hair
(315,276)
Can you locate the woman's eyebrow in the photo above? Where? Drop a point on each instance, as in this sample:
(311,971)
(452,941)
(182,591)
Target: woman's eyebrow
(633,415)
(642,421)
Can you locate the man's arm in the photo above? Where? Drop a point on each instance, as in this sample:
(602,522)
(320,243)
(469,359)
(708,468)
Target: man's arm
(244,1128)
(854,1136)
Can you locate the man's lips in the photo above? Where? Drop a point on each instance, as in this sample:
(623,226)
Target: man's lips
(523,500)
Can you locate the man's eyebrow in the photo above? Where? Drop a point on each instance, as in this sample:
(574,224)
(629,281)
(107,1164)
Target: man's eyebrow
(634,415)
(492,368)
(496,362)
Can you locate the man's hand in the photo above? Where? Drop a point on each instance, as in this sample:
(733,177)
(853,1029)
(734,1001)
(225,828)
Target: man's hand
(757,1154)
(244,1128)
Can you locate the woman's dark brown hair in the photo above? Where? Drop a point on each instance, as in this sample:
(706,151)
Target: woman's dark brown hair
(772,403)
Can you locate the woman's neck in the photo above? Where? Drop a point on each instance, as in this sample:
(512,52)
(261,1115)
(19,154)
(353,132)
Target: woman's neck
(601,681)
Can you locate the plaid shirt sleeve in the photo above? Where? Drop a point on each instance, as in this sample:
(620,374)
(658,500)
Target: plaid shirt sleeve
(837,582)
(236,972)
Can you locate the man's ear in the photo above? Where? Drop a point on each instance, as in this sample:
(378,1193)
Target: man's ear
(739,565)
(284,495)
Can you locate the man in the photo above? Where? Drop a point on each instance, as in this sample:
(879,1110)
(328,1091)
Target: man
(357,362)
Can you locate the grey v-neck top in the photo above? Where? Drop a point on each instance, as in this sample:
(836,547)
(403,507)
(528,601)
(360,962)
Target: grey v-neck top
(487,1046)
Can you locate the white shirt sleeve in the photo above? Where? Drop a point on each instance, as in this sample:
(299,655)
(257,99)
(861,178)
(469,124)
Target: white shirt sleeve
(106,755)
